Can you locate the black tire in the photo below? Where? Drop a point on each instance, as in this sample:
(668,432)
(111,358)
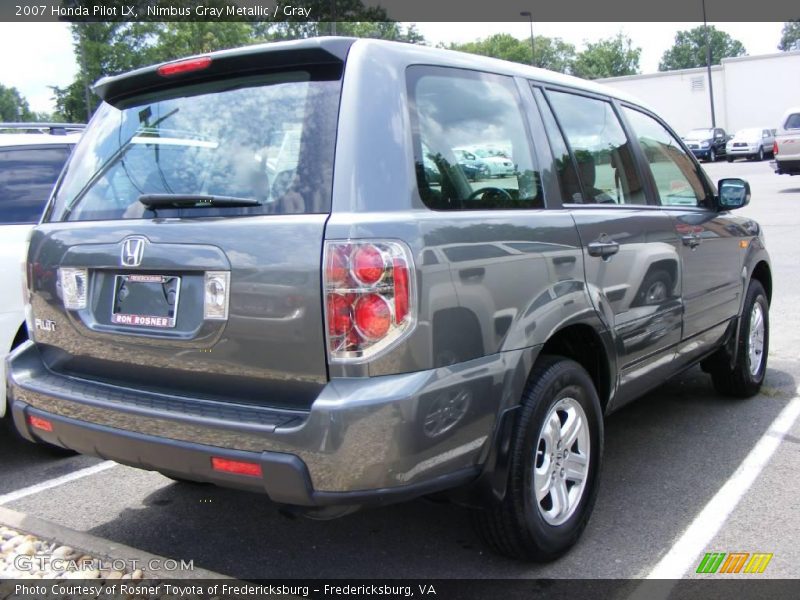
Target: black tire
(730,159)
(712,156)
(515,526)
(740,381)
(760,156)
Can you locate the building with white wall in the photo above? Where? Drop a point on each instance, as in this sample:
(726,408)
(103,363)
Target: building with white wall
(749,91)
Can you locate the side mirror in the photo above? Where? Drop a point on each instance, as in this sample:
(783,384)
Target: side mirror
(733,193)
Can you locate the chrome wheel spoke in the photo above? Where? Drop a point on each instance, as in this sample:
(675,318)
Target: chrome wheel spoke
(560,497)
(575,468)
(571,430)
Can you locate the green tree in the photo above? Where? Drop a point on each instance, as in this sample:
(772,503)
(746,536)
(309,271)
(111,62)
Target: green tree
(790,35)
(13,105)
(611,57)
(689,49)
(551,53)
(184,38)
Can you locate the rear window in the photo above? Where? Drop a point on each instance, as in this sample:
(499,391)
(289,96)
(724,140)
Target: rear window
(266,139)
(793,122)
(27,176)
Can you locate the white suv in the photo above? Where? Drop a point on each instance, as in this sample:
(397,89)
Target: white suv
(31,158)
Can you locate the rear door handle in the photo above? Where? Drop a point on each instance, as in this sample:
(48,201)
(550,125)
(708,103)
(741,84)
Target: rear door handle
(693,241)
(602,249)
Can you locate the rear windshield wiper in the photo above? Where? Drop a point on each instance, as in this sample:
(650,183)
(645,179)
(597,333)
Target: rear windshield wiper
(193,200)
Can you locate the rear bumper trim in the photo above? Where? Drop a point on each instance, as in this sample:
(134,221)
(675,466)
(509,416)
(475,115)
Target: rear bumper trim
(285,477)
(360,434)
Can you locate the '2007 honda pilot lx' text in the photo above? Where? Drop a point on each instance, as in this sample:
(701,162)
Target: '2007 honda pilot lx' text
(265,268)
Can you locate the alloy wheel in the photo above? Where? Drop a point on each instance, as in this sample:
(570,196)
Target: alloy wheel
(561,464)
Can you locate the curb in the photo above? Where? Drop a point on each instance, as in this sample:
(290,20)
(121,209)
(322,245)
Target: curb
(98,547)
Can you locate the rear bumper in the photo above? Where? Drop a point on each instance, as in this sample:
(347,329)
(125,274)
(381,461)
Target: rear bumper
(738,152)
(786,167)
(364,441)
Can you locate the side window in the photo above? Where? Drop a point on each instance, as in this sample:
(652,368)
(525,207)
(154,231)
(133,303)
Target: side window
(792,121)
(602,152)
(471,146)
(673,170)
(27,175)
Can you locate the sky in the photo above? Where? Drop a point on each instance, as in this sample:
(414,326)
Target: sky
(44,55)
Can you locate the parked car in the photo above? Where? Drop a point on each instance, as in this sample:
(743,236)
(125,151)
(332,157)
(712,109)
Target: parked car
(786,149)
(708,144)
(473,167)
(31,158)
(753,143)
(498,166)
(363,336)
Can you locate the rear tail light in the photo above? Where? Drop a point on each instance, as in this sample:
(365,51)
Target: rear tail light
(774,148)
(184,66)
(73,283)
(369,297)
(40,423)
(237,467)
(216,295)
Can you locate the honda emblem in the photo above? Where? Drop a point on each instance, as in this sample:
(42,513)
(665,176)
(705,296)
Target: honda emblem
(132,252)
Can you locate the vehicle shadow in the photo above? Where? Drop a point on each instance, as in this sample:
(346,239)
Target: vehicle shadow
(23,464)
(666,455)
(790,191)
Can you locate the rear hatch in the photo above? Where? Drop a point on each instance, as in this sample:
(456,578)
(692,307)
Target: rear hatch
(181,251)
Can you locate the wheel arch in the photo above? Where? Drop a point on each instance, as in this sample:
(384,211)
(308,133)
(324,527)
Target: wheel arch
(763,274)
(583,344)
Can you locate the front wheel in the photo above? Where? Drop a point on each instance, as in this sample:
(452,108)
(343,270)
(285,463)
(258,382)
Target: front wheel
(712,156)
(747,375)
(760,156)
(556,450)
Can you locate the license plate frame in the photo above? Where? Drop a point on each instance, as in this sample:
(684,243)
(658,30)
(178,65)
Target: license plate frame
(138,282)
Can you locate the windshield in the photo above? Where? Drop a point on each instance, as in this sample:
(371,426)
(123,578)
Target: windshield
(699,134)
(267,139)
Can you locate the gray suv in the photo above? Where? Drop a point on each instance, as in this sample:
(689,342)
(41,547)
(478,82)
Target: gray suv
(252,274)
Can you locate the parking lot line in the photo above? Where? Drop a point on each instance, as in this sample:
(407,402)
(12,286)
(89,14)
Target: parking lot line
(682,556)
(56,481)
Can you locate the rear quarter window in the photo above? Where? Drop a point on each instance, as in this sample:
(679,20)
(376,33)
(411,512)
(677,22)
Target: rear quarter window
(471,144)
(27,176)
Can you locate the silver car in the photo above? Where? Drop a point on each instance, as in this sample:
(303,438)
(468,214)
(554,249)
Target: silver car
(752,143)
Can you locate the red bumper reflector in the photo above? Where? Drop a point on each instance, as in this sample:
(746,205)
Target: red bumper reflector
(40,423)
(184,66)
(237,467)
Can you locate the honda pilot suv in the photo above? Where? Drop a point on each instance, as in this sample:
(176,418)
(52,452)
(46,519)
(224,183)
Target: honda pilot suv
(267,269)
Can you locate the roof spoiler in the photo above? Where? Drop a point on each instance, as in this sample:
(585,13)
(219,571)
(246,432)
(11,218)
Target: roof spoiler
(224,63)
(51,128)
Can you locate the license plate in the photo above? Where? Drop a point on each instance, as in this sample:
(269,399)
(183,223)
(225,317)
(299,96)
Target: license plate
(146,300)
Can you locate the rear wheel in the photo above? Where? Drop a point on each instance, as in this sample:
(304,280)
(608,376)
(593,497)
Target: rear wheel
(760,156)
(747,375)
(730,159)
(556,450)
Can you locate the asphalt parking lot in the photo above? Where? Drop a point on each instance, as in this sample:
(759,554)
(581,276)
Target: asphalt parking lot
(667,457)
